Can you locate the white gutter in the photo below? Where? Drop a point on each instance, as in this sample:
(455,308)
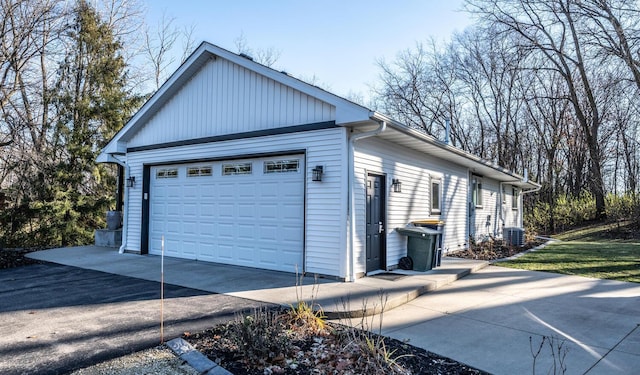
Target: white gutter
(125,211)
(351,222)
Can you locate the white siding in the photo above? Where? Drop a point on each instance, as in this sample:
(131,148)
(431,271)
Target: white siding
(487,216)
(513,217)
(489,219)
(414,170)
(325,216)
(224,98)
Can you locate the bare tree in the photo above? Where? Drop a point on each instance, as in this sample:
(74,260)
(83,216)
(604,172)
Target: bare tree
(420,88)
(551,28)
(158,44)
(265,56)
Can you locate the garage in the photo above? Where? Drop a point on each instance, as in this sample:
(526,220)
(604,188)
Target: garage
(247,212)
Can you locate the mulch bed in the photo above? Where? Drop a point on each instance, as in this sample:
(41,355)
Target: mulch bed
(493,250)
(10,258)
(328,353)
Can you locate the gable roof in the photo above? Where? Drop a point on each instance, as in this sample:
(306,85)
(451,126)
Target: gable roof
(347,114)
(346,111)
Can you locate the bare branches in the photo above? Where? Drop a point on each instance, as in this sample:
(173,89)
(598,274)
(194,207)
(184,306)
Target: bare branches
(265,56)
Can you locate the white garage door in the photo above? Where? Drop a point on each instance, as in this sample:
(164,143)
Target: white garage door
(242,212)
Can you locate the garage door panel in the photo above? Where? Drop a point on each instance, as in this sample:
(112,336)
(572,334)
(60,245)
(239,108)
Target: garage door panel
(268,232)
(207,229)
(226,231)
(268,211)
(246,253)
(226,252)
(190,210)
(290,211)
(190,227)
(226,210)
(251,219)
(247,210)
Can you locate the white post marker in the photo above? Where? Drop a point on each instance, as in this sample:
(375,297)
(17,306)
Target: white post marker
(162,291)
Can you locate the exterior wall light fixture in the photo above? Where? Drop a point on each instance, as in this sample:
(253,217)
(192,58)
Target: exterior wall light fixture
(316,173)
(397,185)
(131,181)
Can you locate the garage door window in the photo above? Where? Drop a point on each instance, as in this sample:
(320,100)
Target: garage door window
(167,173)
(281,166)
(237,168)
(199,171)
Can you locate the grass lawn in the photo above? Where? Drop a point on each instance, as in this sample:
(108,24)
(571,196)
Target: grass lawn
(591,252)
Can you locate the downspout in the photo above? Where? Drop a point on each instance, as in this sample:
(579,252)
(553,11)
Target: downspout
(351,196)
(125,211)
(525,179)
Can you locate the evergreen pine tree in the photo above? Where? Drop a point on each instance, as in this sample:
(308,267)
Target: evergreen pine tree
(91,103)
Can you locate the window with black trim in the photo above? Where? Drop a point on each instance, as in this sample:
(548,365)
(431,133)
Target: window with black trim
(436,186)
(476,191)
(236,168)
(515,197)
(281,166)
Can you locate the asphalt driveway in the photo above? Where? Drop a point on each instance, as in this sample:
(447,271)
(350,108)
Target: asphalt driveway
(56,318)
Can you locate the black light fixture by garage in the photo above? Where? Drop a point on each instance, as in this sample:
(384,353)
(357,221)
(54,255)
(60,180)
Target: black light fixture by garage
(316,173)
(397,185)
(131,181)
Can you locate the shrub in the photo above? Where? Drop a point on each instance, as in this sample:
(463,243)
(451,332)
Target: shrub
(261,337)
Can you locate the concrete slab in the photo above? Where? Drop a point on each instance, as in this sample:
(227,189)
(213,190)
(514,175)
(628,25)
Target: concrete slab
(617,363)
(488,321)
(631,343)
(492,348)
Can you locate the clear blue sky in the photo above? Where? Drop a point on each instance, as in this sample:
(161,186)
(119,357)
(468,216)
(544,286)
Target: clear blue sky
(338,41)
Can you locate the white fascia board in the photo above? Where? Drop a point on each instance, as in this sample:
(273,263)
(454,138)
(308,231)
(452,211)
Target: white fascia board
(458,156)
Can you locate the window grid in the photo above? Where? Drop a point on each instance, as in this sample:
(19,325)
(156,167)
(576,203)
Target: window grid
(167,173)
(281,166)
(236,169)
(199,171)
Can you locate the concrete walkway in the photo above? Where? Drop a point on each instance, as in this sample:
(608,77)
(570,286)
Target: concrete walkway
(491,319)
(337,299)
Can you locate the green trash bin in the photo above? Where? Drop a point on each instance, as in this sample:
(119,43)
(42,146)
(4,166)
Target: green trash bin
(421,246)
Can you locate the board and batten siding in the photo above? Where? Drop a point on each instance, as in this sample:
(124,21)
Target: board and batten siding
(415,170)
(325,218)
(225,98)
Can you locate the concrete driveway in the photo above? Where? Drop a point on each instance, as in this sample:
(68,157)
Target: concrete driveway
(56,318)
(487,320)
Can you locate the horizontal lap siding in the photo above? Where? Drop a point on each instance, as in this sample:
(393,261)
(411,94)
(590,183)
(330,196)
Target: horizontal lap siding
(513,217)
(487,218)
(414,170)
(325,218)
(224,98)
